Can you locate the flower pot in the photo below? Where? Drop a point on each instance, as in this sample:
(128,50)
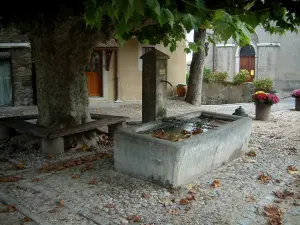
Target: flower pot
(181,90)
(297,104)
(262,112)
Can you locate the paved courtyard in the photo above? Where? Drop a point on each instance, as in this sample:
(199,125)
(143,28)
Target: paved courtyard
(93,193)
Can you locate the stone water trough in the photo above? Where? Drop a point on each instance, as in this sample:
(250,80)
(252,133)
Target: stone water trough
(142,152)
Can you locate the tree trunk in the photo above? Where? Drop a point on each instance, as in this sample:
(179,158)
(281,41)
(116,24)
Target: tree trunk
(196,70)
(61,53)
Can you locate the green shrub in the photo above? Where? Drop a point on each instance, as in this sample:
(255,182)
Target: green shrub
(207,75)
(241,77)
(265,84)
(219,76)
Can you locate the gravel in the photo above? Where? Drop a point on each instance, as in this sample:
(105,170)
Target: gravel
(117,197)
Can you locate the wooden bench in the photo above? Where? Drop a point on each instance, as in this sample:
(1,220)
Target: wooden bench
(52,139)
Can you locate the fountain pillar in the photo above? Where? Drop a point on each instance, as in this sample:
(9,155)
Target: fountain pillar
(154,85)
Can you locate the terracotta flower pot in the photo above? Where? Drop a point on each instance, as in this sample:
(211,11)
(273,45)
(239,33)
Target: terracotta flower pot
(181,90)
(297,104)
(262,112)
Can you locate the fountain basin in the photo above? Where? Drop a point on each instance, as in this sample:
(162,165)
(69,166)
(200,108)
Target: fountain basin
(172,163)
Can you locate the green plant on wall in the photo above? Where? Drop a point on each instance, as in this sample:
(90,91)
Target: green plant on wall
(241,77)
(219,76)
(265,84)
(207,75)
(216,76)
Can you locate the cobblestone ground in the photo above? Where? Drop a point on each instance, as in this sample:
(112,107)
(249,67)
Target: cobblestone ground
(102,196)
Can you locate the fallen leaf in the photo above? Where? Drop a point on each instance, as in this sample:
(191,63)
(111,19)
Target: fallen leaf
(283,195)
(171,190)
(251,153)
(11,208)
(292,170)
(161,134)
(192,191)
(183,202)
(264,178)
(174,212)
(26,220)
(250,198)
(36,180)
(49,156)
(110,206)
(145,195)
(75,176)
(190,197)
(61,202)
(10,179)
(274,215)
(197,131)
(84,148)
(19,166)
(93,181)
(133,218)
(216,184)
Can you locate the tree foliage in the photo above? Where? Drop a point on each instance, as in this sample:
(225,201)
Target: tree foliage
(166,21)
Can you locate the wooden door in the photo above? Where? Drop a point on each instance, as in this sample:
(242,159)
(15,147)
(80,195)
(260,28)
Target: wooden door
(94,73)
(248,63)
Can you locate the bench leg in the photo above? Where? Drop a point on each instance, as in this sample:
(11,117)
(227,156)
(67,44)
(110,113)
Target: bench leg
(6,132)
(53,146)
(114,127)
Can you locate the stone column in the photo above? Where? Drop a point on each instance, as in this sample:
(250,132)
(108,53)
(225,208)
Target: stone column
(154,85)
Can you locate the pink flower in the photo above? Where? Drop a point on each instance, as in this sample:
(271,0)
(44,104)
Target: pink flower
(273,98)
(296,93)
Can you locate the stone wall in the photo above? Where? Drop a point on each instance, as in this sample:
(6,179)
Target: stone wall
(226,93)
(21,67)
(22,76)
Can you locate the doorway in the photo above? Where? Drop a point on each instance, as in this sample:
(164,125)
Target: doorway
(5,80)
(247,61)
(94,73)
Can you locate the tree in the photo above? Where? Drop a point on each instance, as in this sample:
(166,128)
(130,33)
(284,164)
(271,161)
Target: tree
(63,35)
(245,16)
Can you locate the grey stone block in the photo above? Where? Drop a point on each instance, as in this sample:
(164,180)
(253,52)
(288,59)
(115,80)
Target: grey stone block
(53,146)
(177,163)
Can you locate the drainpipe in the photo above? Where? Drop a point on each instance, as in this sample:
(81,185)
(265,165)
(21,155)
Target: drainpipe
(117,79)
(213,56)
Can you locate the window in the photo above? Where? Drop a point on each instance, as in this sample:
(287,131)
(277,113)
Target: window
(146,49)
(95,63)
(247,51)
(5,79)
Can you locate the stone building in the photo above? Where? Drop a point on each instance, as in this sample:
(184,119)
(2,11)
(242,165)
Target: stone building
(268,55)
(16,77)
(114,72)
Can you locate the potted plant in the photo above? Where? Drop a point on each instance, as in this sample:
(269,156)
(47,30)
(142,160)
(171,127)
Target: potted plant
(181,90)
(296,95)
(263,102)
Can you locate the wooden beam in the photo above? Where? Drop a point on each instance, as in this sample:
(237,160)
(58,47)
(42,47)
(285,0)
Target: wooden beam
(102,116)
(28,128)
(85,127)
(23,117)
(117,93)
